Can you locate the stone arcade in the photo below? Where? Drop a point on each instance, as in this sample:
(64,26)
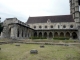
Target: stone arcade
(45,26)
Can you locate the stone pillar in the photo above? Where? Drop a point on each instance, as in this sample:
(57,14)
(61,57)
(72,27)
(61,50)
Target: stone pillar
(32,33)
(47,34)
(14,32)
(42,34)
(27,33)
(58,34)
(20,32)
(23,32)
(53,34)
(37,34)
(64,34)
(70,35)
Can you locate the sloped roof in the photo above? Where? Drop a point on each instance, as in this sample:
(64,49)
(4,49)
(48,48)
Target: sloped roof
(53,19)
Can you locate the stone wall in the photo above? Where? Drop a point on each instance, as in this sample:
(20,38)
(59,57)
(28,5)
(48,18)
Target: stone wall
(15,29)
(59,25)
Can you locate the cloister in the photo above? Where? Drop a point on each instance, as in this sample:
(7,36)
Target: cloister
(54,33)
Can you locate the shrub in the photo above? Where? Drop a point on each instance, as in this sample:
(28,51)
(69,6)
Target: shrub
(38,38)
(61,38)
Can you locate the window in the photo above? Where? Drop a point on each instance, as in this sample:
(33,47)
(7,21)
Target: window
(64,26)
(58,26)
(51,26)
(71,26)
(48,21)
(34,26)
(45,26)
(40,27)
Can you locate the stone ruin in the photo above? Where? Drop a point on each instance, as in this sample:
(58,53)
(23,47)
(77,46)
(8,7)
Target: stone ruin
(34,51)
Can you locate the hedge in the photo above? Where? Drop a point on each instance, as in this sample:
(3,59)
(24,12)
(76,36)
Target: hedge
(61,38)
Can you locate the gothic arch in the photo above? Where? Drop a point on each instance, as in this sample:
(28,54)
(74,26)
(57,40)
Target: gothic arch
(45,34)
(40,34)
(67,34)
(74,35)
(55,34)
(61,34)
(35,34)
(50,35)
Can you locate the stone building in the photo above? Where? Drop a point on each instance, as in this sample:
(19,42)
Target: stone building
(15,29)
(53,26)
(45,26)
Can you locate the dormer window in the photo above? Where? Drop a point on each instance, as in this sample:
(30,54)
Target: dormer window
(48,21)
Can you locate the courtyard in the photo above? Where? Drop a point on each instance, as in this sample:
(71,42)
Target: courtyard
(49,52)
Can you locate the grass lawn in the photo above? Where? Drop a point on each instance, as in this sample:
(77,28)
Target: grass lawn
(49,52)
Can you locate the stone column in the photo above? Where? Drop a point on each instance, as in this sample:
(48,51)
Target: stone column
(53,34)
(37,34)
(32,33)
(64,34)
(27,33)
(23,32)
(14,32)
(47,34)
(58,34)
(70,35)
(42,34)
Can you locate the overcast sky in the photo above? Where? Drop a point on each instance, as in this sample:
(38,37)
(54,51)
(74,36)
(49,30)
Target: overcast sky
(22,9)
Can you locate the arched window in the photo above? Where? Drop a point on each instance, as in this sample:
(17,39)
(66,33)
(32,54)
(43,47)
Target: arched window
(51,26)
(71,26)
(40,26)
(64,26)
